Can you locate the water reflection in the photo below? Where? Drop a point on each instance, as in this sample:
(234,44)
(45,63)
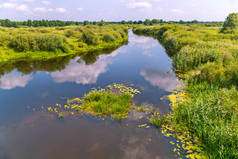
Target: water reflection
(163,79)
(81,70)
(13,80)
(29,66)
(81,73)
(41,136)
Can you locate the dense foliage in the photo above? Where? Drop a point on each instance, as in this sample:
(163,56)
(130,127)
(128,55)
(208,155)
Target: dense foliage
(59,41)
(231,24)
(208,62)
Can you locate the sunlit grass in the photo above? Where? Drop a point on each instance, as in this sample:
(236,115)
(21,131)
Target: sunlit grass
(114,101)
(50,42)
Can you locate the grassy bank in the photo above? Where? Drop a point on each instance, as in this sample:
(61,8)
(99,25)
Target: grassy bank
(51,42)
(207,60)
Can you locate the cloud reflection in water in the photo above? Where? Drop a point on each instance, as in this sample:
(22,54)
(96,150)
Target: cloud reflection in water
(13,80)
(165,80)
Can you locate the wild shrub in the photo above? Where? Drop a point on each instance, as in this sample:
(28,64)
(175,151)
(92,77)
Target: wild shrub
(108,37)
(231,24)
(41,42)
(91,38)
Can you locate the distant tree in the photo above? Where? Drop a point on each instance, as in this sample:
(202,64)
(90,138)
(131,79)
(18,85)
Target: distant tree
(170,22)
(181,22)
(147,22)
(29,23)
(86,22)
(231,24)
(101,23)
(123,22)
(155,21)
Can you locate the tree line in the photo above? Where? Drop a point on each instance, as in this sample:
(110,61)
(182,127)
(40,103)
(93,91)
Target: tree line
(54,23)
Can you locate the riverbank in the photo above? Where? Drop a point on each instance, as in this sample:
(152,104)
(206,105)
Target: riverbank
(47,43)
(207,61)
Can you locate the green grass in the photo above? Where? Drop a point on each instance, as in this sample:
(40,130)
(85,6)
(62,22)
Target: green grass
(114,101)
(207,61)
(211,114)
(50,42)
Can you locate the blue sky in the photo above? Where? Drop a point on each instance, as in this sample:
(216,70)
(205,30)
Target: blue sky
(116,10)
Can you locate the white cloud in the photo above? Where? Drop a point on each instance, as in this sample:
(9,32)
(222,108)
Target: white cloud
(40,10)
(135,4)
(80,9)
(29,0)
(45,2)
(8,5)
(177,11)
(60,10)
(24,8)
(13,80)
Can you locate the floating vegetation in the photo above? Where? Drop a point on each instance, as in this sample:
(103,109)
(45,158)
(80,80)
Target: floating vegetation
(115,101)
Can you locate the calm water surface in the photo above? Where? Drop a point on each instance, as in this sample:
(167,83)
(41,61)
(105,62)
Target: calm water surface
(32,134)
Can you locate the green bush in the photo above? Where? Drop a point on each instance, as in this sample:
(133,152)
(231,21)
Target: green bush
(231,24)
(108,37)
(41,42)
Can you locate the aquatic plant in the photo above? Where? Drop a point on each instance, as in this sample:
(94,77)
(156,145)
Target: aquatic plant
(115,101)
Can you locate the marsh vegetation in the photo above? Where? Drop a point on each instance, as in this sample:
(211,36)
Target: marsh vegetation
(206,58)
(50,42)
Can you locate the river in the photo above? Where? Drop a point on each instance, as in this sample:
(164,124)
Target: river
(27,132)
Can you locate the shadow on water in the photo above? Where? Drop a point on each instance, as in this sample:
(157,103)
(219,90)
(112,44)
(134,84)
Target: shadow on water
(25,134)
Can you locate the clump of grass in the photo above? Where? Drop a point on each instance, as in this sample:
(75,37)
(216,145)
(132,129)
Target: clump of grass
(210,114)
(157,120)
(114,101)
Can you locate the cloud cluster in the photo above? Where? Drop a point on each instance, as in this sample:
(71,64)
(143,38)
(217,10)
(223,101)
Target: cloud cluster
(139,5)
(22,6)
(13,80)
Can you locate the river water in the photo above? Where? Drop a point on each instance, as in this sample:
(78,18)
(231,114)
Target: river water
(27,132)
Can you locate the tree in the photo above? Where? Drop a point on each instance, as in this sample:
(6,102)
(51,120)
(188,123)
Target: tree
(86,22)
(101,23)
(231,24)
(155,21)
(29,23)
(147,22)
